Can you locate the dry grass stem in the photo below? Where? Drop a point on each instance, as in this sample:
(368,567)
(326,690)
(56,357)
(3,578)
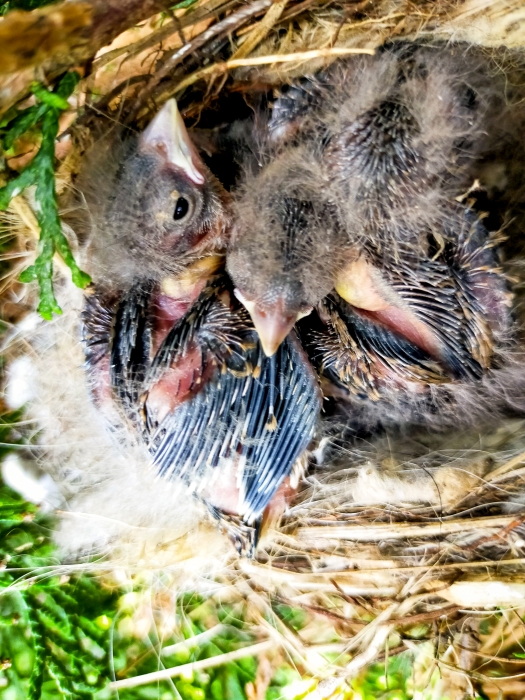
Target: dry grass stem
(303,56)
(375,533)
(253,650)
(194,641)
(261,30)
(506,468)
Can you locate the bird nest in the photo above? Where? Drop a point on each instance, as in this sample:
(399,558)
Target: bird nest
(393,544)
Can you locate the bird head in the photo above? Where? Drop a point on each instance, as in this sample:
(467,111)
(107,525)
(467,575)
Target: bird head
(280,256)
(157,208)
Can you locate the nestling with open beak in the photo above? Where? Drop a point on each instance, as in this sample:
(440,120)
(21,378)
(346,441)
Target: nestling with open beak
(152,207)
(172,354)
(357,210)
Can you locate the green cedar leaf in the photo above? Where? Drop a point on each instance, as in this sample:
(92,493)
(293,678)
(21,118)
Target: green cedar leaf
(233,690)
(28,275)
(52,99)
(24,121)
(40,172)
(37,674)
(183,5)
(67,84)
(22,5)
(54,627)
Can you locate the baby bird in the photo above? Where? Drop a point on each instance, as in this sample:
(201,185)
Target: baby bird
(153,214)
(153,208)
(285,232)
(170,352)
(361,210)
(215,413)
(396,326)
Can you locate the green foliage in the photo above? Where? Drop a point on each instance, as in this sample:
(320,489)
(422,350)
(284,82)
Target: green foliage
(388,682)
(50,641)
(22,5)
(293,617)
(7,439)
(195,616)
(183,5)
(40,172)
(67,636)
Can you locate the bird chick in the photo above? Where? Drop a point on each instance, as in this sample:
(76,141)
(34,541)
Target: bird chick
(151,207)
(281,249)
(406,323)
(404,277)
(172,355)
(159,217)
(215,413)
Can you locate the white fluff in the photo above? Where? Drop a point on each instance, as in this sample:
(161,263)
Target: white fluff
(20,383)
(22,476)
(112,504)
(441,487)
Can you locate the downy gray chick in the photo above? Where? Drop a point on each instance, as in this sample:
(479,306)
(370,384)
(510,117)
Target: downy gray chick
(362,210)
(170,352)
(152,208)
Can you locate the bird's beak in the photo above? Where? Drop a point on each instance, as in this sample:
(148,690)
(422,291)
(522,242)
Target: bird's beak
(167,134)
(272,323)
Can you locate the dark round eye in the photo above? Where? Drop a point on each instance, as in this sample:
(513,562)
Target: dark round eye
(181,208)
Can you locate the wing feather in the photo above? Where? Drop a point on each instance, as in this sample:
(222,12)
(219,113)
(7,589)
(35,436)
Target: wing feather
(254,412)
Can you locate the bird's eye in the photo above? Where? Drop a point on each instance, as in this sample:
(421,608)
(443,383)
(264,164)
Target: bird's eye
(181,208)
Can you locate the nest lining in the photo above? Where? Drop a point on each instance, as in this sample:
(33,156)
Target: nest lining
(370,570)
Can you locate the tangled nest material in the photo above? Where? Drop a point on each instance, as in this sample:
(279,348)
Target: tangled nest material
(373,576)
